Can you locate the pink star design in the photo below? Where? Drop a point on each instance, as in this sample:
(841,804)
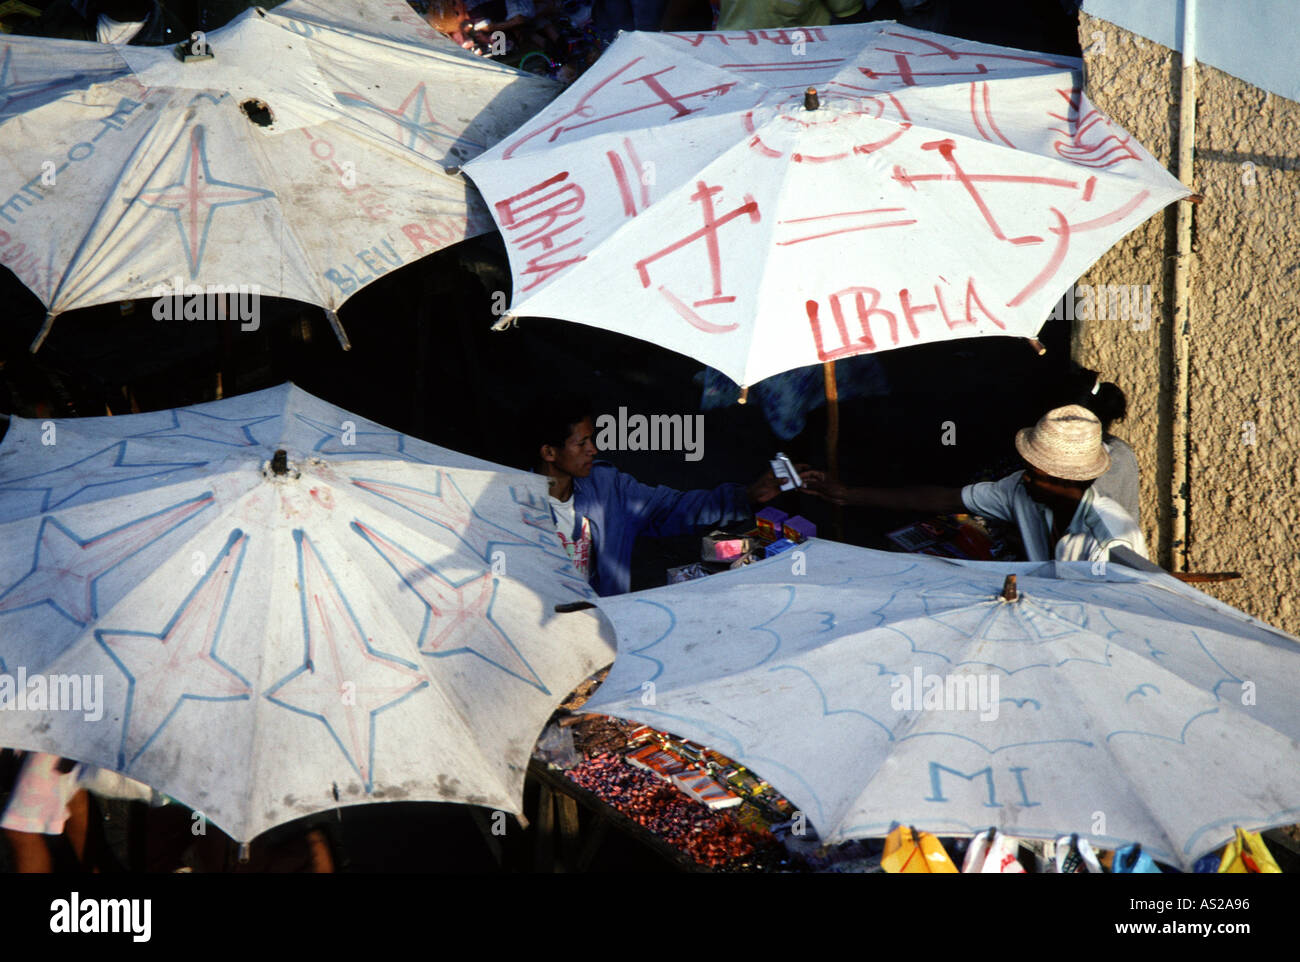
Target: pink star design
(414,116)
(343,682)
(460,616)
(165,668)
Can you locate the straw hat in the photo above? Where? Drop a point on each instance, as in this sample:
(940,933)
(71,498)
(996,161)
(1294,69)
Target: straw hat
(1065,443)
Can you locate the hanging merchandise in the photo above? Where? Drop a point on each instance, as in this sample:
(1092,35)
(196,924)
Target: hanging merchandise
(907,851)
(977,851)
(1075,854)
(1131,859)
(1000,856)
(992,852)
(1247,853)
(1208,864)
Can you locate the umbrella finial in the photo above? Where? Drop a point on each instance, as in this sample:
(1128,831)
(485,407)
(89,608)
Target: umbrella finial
(280,462)
(810,101)
(1009,592)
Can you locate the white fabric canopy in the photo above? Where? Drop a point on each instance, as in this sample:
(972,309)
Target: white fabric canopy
(375,624)
(124,170)
(680,192)
(872,687)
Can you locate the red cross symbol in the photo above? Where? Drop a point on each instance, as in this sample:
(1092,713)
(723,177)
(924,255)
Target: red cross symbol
(709,234)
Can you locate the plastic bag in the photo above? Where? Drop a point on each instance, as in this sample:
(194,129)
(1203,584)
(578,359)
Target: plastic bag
(1208,864)
(1075,854)
(1247,853)
(1131,859)
(992,852)
(556,746)
(908,851)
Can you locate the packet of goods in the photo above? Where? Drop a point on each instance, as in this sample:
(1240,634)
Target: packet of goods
(704,788)
(655,759)
(770,522)
(688,750)
(720,546)
(642,735)
(798,529)
(776,547)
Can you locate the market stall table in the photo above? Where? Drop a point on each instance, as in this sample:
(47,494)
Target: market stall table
(696,809)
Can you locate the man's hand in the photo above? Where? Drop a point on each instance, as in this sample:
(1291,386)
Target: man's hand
(816,483)
(768,487)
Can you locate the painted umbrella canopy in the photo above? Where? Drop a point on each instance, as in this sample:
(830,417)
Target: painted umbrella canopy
(306,158)
(872,687)
(682,192)
(372,622)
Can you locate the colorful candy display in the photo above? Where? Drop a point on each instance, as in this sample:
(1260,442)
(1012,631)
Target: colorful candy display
(716,840)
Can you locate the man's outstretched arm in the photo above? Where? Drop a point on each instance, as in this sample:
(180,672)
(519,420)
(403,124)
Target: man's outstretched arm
(922,499)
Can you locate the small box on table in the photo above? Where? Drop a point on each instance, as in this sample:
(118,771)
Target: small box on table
(778,546)
(770,522)
(798,529)
(721,546)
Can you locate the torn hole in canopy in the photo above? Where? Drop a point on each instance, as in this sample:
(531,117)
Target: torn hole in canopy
(258,111)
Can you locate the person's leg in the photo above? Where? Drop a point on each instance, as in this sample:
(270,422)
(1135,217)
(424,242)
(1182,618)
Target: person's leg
(77,827)
(31,853)
(322,859)
(38,807)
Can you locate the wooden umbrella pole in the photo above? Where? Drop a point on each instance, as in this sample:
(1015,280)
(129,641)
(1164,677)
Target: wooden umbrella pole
(833,441)
(832,421)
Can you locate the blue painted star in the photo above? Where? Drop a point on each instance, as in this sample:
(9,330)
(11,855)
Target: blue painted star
(196,426)
(448,508)
(335,439)
(166,668)
(414,119)
(101,469)
(458,617)
(66,568)
(195,195)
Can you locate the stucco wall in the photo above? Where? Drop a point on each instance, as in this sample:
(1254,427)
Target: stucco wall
(1244,373)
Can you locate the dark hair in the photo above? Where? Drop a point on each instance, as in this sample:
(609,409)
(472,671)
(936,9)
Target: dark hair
(1108,403)
(550,420)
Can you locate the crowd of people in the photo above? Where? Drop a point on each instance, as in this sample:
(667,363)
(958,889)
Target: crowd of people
(558,38)
(562,38)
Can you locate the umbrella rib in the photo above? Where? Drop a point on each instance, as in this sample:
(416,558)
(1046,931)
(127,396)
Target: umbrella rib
(372,575)
(101,212)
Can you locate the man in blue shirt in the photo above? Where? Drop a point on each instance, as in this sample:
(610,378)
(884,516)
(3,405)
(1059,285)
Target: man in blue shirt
(1051,501)
(600,511)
